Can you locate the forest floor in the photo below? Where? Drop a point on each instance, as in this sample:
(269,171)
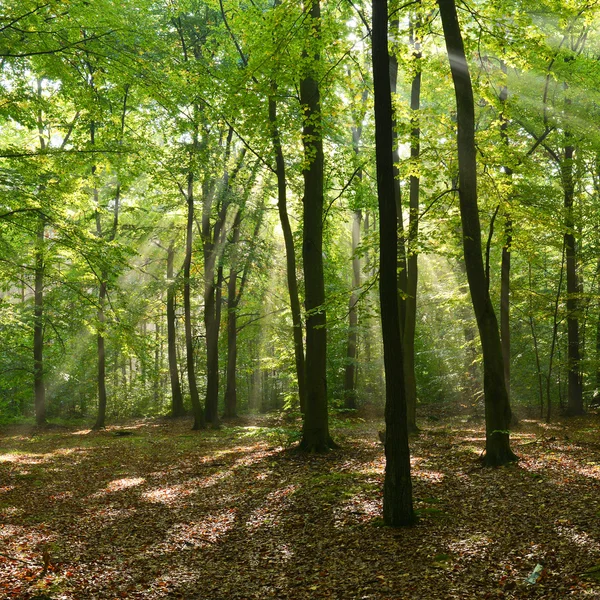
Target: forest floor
(236,513)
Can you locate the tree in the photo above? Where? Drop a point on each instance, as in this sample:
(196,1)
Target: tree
(397,487)
(497,407)
(315,432)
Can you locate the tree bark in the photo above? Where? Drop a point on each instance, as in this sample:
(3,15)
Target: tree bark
(232,306)
(505,265)
(290,254)
(412,266)
(497,406)
(199,417)
(39,385)
(575,388)
(315,432)
(177,408)
(397,488)
(352,340)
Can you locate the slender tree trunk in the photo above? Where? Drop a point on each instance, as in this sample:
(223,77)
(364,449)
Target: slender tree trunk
(506,254)
(213,240)
(101,351)
(315,433)
(410,317)
(350,372)
(596,397)
(100,346)
(351,345)
(290,254)
(575,389)
(232,306)
(535,346)
(177,408)
(554,335)
(199,417)
(397,487)
(401,255)
(497,406)
(39,385)
(103,290)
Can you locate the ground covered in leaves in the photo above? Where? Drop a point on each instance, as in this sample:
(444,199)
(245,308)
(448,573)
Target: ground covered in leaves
(237,514)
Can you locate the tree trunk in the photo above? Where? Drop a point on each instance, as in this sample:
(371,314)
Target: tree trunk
(39,386)
(290,254)
(351,345)
(397,488)
(101,417)
(410,322)
(177,408)
(505,268)
(535,346)
(199,417)
(103,290)
(232,306)
(315,433)
(575,388)
(596,397)
(401,255)
(497,407)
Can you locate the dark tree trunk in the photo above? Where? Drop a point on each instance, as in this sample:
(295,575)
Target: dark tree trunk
(497,407)
(401,255)
(212,352)
(410,317)
(232,306)
(575,388)
(39,386)
(290,254)
(199,417)
(213,243)
(397,488)
(315,433)
(177,408)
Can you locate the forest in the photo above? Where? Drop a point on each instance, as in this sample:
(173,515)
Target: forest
(299,299)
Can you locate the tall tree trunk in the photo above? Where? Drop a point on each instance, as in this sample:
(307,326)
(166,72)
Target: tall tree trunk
(410,317)
(213,241)
(290,253)
(506,253)
(232,306)
(351,345)
(315,433)
(497,406)
(397,487)
(39,386)
(535,346)
(575,388)
(100,346)
(350,371)
(177,408)
(596,397)
(401,255)
(103,290)
(199,417)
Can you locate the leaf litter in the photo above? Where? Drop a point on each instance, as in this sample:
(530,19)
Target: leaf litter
(236,514)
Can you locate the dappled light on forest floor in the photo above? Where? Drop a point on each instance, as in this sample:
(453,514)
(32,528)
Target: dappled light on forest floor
(229,514)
